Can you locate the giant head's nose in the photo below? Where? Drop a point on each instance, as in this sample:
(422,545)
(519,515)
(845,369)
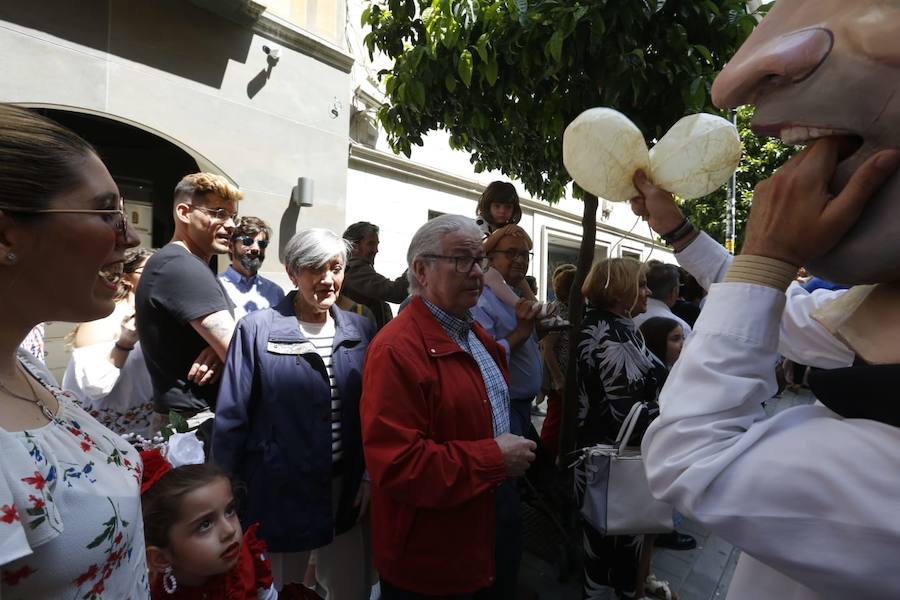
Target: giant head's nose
(764,64)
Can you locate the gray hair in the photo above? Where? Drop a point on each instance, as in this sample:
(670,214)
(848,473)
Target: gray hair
(662,278)
(313,248)
(429,238)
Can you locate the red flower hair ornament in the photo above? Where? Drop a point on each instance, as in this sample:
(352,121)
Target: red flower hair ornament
(179,450)
(155,466)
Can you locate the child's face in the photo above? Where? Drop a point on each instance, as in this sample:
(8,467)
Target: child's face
(674,342)
(501,213)
(206,540)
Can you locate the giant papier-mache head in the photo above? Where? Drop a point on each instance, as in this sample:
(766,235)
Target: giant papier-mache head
(826,67)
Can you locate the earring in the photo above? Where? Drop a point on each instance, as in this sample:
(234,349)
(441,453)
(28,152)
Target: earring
(11,257)
(169,582)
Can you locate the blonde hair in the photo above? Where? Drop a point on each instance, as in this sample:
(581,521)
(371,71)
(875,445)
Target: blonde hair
(613,281)
(196,186)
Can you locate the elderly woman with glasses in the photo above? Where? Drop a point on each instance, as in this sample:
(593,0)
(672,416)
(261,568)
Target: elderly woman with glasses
(70,512)
(287,422)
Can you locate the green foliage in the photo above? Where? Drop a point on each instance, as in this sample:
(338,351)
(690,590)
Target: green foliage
(505,77)
(760,159)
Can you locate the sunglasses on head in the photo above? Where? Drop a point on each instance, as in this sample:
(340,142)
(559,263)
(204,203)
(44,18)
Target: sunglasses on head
(248,241)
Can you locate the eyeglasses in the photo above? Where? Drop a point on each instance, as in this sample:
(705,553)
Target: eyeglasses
(248,241)
(463,264)
(219,214)
(119,222)
(512,254)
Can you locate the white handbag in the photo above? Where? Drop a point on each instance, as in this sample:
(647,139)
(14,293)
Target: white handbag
(612,491)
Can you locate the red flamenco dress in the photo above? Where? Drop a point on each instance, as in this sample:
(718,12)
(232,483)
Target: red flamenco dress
(249,579)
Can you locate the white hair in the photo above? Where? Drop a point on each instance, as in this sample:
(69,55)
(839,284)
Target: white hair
(429,240)
(313,249)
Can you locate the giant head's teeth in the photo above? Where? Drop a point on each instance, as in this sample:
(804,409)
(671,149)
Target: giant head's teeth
(800,135)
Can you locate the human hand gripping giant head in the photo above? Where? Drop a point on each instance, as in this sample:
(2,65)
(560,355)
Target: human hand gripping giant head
(830,67)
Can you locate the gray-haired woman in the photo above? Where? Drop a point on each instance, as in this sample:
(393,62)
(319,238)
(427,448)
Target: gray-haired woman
(287,422)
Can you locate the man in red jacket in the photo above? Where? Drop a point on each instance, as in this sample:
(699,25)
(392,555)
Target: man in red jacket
(435,421)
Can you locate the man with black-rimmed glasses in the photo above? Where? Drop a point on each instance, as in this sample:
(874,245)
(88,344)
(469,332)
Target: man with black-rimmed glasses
(435,425)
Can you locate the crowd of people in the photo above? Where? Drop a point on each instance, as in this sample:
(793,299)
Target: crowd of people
(334,445)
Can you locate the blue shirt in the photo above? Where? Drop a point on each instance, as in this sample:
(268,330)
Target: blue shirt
(525,367)
(460,331)
(250,293)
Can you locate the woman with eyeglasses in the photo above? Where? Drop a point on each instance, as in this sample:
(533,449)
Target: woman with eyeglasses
(287,422)
(70,514)
(106,370)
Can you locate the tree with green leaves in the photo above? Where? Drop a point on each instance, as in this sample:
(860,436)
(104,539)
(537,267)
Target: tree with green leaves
(505,77)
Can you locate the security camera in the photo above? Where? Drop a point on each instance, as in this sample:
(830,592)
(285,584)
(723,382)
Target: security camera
(273,51)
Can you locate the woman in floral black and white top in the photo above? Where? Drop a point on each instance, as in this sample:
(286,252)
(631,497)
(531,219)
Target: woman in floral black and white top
(70,515)
(615,370)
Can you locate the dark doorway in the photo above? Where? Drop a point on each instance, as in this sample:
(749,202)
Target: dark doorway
(145,166)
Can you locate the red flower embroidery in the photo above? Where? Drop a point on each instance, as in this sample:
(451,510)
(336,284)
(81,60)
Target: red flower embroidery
(98,588)
(37,502)
(86,576)
(37,481)
(85,446)
(10,513)
(14,577)
(118,538)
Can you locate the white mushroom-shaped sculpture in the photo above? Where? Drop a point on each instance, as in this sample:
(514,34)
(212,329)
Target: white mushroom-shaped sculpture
(696,156)
(602,150)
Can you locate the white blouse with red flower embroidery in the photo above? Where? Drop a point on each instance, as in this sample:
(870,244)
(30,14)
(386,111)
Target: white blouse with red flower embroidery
(70,510)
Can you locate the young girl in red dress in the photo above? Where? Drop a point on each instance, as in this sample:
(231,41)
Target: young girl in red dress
(195,545)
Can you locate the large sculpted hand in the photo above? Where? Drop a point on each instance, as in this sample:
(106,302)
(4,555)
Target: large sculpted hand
(518,453)
(795,218)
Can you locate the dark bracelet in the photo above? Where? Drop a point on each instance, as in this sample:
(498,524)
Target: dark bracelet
(684,229)
(124,348)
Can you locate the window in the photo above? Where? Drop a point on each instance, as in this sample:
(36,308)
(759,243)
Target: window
(631,254)
(324,18)
(565,251)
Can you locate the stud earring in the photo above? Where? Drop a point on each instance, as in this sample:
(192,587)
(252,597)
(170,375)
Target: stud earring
(11,257)
(169,582)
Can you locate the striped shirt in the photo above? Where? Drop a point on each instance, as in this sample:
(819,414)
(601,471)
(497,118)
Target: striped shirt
(321,335)
(461,332)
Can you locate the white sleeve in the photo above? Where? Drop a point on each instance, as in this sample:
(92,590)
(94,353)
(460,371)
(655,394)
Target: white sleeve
(803,339)
(806,492)
(706,259)
(90,374)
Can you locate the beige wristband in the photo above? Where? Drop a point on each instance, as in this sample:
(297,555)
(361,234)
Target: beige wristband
(761,270)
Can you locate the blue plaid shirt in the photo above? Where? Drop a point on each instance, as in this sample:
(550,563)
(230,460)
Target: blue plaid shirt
(460,331)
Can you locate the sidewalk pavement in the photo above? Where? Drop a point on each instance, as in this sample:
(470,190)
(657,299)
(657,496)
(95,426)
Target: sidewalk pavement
(703,573)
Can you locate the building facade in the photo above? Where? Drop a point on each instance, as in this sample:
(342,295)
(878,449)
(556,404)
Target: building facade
(276,95)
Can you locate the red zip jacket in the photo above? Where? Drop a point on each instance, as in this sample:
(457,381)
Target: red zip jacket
(429,447)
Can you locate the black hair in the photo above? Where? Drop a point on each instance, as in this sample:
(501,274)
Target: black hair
(503,192)
(656,332)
